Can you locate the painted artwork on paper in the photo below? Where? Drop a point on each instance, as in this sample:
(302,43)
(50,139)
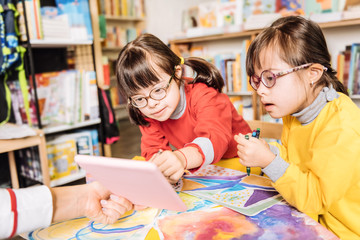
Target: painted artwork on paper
(136,225)
(277,222)
(248,195)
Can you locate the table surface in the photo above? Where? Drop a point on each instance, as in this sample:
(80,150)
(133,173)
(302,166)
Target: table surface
(277,222)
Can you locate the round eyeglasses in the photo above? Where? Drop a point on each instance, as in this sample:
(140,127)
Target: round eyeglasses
(268,78)
(159,93)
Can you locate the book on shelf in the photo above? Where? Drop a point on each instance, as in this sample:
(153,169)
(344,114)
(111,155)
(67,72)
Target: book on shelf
(28,161)
(237,73)
(288,7)
(347,57)
(106,70)
(245,85)
(67,97)
(90,103)
(17,104)
(340,66)
(84,58)
(354,69)
(229,15)
(61,155)
(62,149)
(190,18)
(79,18)
(32,10)
(21,22)
(208,12)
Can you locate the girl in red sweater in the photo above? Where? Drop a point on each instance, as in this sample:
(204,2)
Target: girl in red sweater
(190,114)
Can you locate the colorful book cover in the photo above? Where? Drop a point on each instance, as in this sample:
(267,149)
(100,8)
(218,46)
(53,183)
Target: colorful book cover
(229,13)
(290,6)
(256,7)
(61,158)
(356,90)
(340,66)
(190,18)
(355,50)
(347,57)
(208,12)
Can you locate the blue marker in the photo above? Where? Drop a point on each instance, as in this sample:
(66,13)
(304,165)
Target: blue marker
(257,133)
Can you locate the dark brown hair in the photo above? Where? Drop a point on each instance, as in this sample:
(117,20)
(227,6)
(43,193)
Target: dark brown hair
(135,71)
(298,41)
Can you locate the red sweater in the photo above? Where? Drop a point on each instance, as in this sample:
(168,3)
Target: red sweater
(208,114)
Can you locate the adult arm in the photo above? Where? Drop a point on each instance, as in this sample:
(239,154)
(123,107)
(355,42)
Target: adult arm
(39,206)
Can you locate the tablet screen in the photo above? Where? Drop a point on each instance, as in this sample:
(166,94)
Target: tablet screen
(139,181)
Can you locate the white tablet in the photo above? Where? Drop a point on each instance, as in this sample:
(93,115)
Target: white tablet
(139,181)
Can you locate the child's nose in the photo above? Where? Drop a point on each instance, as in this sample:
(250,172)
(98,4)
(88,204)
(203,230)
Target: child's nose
(262,90)
(152,102)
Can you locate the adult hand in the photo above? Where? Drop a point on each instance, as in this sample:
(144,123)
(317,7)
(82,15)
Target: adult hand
(102,206)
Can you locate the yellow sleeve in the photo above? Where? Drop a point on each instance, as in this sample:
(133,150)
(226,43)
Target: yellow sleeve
(327,175)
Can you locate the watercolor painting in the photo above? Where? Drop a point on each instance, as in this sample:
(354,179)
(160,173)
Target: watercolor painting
(135,225)
(203,219)
(278,222)
(248,195)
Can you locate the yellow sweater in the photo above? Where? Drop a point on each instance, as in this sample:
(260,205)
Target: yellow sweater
(324,173)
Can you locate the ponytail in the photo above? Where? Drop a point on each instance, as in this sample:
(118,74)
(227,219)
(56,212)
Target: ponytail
(205,73)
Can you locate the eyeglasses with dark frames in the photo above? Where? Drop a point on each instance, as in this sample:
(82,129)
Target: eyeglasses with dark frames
(159,93)
(268,78)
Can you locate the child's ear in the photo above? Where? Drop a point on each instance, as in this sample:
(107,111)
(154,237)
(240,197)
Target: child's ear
(315,72)
(178,71)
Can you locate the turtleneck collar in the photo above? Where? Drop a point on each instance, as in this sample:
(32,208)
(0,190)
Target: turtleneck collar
(180,109)
(308,114)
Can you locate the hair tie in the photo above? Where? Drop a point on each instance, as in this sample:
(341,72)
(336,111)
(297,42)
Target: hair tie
(182,60)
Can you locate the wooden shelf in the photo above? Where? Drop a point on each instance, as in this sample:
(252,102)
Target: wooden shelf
(61,128)
(249,33)
(68,179)
(111,48)
(45,43)
(10,145)
(124,19)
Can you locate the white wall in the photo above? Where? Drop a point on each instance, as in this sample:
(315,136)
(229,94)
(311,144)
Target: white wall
(164,16)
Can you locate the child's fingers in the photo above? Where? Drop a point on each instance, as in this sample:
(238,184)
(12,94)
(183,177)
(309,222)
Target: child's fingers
(176,176)
(238,137)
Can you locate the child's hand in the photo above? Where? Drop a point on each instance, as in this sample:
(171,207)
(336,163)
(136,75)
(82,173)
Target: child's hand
(253,152)
(170,165)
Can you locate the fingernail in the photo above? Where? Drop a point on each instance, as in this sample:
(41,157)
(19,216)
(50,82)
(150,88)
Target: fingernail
(114,197)
(103,202)
(104,209)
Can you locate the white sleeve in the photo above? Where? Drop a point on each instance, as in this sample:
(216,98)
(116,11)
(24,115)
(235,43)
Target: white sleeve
(34,207)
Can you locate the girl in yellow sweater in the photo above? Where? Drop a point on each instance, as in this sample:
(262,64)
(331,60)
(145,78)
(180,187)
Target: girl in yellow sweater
(316,168)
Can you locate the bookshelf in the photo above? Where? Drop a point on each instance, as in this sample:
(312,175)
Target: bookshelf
(11,145)
(119,26)
(41,51)
(351,26)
